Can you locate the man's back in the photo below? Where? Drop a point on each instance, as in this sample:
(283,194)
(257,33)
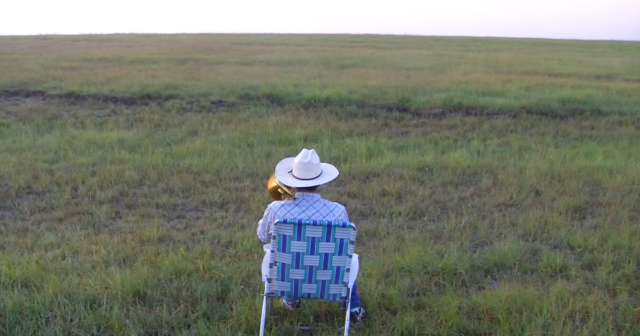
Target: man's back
(304,206)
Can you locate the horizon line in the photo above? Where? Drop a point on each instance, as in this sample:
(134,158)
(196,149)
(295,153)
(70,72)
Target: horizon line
(323,34)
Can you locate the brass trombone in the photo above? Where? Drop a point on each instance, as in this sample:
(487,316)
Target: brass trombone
(277,190)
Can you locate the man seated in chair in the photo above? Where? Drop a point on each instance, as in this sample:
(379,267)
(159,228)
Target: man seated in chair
(303,174)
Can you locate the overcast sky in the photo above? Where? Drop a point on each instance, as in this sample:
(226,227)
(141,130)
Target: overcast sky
(566,19)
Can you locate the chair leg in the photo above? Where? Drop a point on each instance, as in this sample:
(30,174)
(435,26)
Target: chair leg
(270,305)
(348,317)
(264,312)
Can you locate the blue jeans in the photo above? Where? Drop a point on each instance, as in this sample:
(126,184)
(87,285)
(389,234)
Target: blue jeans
(355,299)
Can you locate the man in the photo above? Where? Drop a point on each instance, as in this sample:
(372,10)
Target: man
(302,175)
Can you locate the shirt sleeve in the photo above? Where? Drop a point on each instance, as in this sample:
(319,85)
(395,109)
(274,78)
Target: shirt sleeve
(345,216)
(264,226)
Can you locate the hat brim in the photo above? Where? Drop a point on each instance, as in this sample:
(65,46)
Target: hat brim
(284,175)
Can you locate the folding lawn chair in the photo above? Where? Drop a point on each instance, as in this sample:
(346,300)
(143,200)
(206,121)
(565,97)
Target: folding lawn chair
(311,260)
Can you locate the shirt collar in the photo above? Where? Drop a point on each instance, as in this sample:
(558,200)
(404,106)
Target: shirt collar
(307,195)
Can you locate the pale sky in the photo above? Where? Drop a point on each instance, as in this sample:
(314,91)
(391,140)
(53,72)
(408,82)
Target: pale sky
(565,19)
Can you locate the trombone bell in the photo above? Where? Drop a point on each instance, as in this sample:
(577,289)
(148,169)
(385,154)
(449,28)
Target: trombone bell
(277,190)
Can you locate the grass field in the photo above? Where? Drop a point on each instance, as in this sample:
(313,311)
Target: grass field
(495,183)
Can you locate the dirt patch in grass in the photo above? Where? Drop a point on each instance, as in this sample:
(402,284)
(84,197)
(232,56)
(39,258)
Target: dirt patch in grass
(439,114)
(175,103)
(77,98)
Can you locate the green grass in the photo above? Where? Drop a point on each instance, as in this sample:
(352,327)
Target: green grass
(425,74)
(129,201)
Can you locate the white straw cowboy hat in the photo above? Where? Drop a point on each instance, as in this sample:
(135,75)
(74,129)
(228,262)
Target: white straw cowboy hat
(305,170)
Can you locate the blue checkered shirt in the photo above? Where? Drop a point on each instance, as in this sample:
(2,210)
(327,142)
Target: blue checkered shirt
(304,206)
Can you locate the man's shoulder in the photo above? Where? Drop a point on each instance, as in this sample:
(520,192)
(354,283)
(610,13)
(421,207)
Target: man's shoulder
(284,205)
(289,205)
(338,205)
(276,204)
(337,208)
(331,203)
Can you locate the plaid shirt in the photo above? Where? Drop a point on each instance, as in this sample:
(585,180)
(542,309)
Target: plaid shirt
(303,206)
